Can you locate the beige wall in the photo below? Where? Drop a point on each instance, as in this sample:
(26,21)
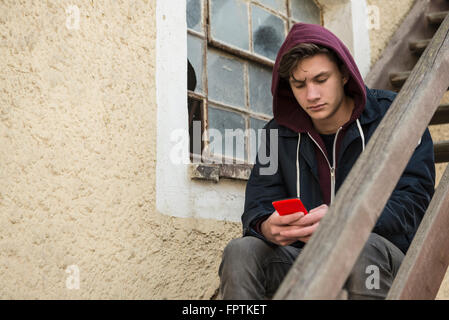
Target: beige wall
(391,15)
(78,135)
(77,150)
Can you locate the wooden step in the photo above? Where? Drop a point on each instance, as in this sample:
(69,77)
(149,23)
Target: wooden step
(418,46)
(436,18)
(398,79)
(441,116)
(441,150)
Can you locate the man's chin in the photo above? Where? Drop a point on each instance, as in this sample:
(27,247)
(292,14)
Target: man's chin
(319,116)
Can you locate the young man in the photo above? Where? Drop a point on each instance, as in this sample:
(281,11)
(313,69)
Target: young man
(324,116)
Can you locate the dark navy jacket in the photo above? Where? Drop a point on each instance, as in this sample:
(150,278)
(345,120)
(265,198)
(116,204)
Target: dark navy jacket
(403,211)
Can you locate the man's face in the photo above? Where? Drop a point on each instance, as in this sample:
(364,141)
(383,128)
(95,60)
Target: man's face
(318,86)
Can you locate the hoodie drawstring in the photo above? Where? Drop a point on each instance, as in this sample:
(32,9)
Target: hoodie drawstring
(298,185)
(361,134)
(298,191)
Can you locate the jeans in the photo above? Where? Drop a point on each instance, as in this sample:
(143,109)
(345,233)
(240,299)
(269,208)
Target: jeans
(252,269)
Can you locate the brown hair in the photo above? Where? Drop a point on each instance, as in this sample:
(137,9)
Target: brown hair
(291,58)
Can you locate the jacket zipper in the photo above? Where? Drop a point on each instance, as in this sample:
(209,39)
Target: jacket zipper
(333,167)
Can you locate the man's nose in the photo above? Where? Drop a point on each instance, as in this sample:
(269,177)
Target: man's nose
(313,92)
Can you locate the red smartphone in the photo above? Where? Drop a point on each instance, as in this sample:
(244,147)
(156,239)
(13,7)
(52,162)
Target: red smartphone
(289,206)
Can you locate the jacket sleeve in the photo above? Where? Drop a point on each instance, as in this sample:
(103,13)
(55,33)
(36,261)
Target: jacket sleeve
(263,187)
(408,203)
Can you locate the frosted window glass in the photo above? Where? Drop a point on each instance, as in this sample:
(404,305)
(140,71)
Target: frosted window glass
(195,56)
(229,22)
(278,5)
(306,11)
(194,9)
(225,79)
(260,98)
(221,120)
(268,32)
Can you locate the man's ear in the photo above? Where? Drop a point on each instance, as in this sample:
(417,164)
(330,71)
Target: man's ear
(345,74)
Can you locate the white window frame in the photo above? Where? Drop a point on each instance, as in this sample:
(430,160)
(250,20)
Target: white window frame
(176,193)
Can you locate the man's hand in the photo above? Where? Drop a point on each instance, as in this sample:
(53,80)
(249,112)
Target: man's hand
(276,224)
(308,223)
(284,230)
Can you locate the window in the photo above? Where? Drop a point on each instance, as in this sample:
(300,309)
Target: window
(194,185)
(232,45)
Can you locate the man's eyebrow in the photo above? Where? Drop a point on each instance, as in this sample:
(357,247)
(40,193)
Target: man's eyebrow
(323,73)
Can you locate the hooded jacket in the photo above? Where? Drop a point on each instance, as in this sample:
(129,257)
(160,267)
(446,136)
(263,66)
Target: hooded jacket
(303,167)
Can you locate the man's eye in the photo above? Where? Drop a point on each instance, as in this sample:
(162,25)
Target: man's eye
(321,80)
(299,86)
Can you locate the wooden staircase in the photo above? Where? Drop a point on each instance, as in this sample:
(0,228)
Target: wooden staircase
(406,47)
(321,269)
(398,79)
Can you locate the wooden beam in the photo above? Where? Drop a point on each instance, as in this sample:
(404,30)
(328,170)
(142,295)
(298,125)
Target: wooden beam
(413,24)
(418,46)
(326,261)
(425,264)
(398,78)
(441,150)
(436,17)
(441,116)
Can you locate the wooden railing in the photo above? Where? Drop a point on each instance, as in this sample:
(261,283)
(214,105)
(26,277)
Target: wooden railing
(326,261)
(425,264)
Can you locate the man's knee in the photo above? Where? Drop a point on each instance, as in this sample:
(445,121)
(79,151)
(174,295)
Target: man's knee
(375,269)
(381,252)
(374,246)
(242,249)
(240,271)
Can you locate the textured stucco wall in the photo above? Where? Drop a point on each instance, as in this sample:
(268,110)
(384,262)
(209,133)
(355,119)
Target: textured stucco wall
(77,174)
(391,15)
(78,152)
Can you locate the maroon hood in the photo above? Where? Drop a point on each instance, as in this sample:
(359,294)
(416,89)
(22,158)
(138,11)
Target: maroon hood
(286,110)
